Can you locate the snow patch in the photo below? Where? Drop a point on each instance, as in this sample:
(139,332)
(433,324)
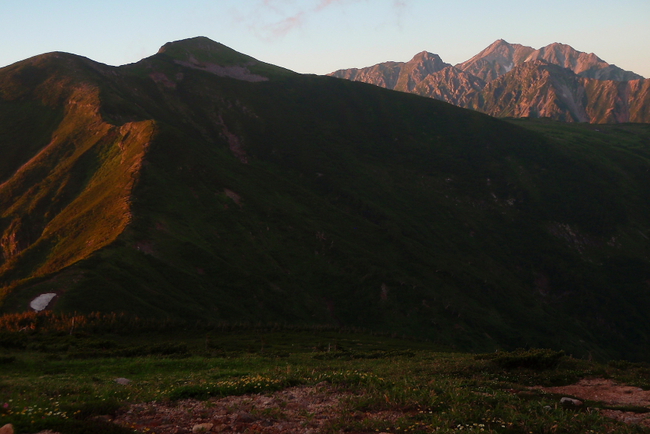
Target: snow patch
(41,302)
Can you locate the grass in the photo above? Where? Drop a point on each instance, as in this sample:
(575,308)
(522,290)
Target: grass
(46,386)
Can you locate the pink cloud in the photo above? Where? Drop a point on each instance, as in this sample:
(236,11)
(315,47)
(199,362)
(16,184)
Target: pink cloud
(285,26)
(296,19)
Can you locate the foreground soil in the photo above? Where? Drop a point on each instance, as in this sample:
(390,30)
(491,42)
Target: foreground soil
(308,409)
(295,410)
(610,393)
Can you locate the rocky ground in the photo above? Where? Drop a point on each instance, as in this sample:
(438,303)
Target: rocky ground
(295,410)
(610,393)
(307,409)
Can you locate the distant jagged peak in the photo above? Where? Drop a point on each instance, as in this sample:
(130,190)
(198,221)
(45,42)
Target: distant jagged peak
(417,69)
(503,51)
(507,79)
(567,57)
(584,64)
(563,55)
(430,61)
(426,56)
(495,60)
(501,56)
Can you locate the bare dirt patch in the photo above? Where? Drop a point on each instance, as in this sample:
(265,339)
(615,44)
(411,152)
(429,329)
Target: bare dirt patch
(302,409)
(238,72)
(234,196)
(611,394)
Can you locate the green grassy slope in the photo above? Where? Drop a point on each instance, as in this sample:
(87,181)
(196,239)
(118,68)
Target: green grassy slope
(315,200)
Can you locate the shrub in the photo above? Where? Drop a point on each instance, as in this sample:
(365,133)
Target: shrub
(167,349)
(5,360)
(88,409)
(537,359)
(349,355)
(12,341)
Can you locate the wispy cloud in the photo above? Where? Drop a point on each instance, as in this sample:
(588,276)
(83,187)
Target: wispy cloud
(399,7)
(286,25)
(299,16)
(325,3)
(290,15)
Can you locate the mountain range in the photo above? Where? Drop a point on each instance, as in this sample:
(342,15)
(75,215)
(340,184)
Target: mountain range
(203,184)
(512,80)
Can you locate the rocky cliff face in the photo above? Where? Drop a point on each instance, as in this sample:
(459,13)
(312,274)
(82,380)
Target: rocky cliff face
(383,74)
(513,80)
(451,85)
(626,101)
(584,64)
(496,60)
(417,69)
(403,76)
(535,89)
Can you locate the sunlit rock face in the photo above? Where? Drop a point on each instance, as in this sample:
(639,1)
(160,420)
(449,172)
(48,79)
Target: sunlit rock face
(513,80)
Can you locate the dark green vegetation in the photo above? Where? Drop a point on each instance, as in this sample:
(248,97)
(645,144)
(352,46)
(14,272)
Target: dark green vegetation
(62,381)
(195,190)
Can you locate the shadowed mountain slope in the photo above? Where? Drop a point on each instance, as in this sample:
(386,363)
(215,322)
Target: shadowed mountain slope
(169,188)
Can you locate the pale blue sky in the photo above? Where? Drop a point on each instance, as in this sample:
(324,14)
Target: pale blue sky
(320,36)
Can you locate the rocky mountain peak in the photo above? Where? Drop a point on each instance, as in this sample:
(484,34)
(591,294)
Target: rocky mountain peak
(583,64)
(497,59)
(567,57)
(425,56)
(555,81)
(429,61)
(417,69)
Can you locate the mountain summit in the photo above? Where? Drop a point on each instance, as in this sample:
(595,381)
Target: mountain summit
(207,55)
(497,59)
(588,88)
(202,184)
(402,76)
(583,64)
